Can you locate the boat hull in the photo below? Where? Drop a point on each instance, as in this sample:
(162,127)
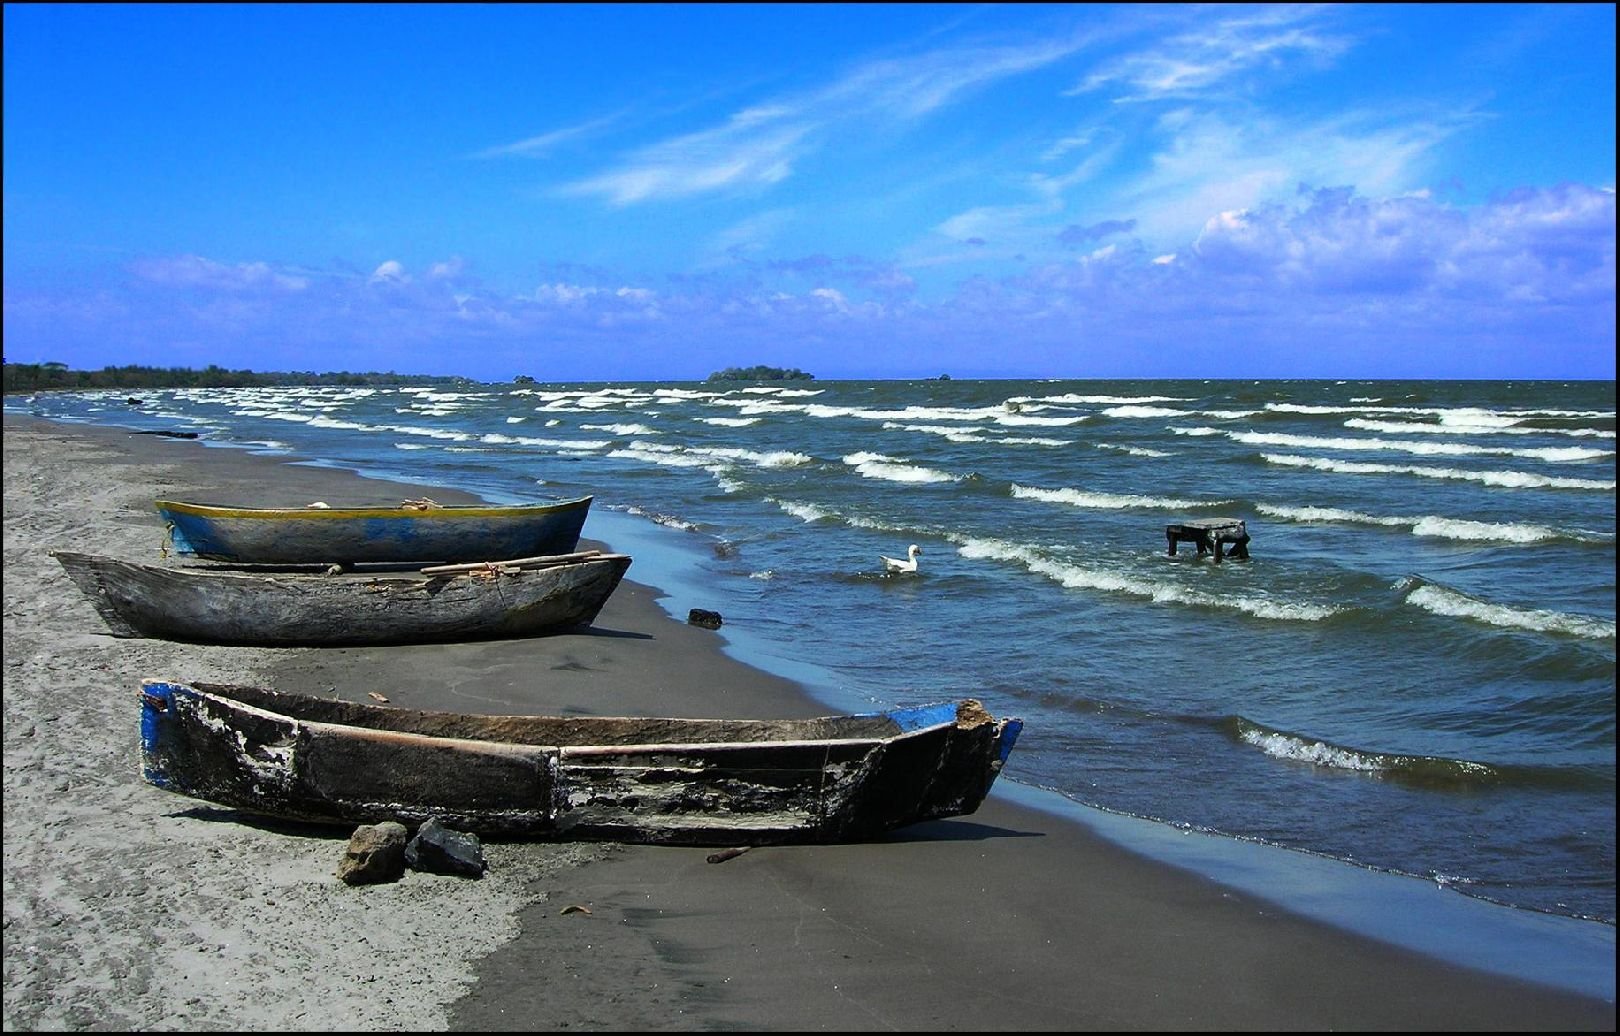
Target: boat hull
(358,535)
(663,781)
(291,609)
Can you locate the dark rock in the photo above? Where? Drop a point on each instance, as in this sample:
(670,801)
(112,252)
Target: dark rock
(703,617)
(439,850)
(376,854)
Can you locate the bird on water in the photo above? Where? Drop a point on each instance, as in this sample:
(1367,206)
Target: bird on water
(896,565)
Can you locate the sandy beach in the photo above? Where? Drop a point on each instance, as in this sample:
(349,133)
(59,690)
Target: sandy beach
(129,908)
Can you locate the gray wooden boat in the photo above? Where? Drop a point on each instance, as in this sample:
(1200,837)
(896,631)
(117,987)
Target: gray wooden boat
(465,602)
(660,780)
(418,531)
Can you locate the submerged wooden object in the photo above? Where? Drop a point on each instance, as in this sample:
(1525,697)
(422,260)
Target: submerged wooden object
(1210,535)
(656,780)
(211,606)
(418,533)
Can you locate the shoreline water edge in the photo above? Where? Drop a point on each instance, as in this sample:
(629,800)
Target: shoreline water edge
(129,907)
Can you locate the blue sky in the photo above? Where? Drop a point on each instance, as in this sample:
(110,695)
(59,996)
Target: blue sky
(603,192)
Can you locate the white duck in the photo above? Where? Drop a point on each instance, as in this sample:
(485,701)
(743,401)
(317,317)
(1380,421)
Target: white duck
(896,565)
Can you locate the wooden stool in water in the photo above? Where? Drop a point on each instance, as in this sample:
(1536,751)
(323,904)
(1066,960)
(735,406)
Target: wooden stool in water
(1210,534)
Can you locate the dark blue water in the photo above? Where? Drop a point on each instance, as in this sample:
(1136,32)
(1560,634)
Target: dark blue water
(1413,671)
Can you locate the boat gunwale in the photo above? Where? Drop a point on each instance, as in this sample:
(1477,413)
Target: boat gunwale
(375,511)
(383,734)
(398,575)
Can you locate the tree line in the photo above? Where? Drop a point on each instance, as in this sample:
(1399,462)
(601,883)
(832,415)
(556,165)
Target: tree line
(39,377)
(761,374)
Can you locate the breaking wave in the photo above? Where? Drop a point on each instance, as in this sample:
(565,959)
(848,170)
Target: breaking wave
(1507,479)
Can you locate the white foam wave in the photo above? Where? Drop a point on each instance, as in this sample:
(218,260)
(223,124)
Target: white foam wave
(621,429)
(1461,415)
(1425,525)
(1025,420)
(683,394)
(803,511)
(650,455)
(1163,592)
(1506,479)
(1072,398)
(730,422)
(713,458)
(497,439)
(951,432)
(1554,454)
(894,469)
(1144,411)
(672,521)
(1442,601)
(1032,440)
(1135,451)
(1317,753)
(1108,501)
(1459,428)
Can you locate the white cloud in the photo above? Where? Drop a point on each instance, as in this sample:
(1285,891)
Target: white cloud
(196,271)
(390,272)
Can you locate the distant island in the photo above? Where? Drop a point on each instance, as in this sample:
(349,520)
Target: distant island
(761,374)
(39,377)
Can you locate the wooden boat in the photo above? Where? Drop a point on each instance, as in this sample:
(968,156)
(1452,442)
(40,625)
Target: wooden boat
(686,781)
(455,602)
(417,532)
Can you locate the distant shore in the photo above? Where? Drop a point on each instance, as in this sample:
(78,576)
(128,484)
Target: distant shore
(128,907)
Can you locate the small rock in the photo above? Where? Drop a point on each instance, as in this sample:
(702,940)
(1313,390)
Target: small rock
(439,850)
(376,854)
(705,618)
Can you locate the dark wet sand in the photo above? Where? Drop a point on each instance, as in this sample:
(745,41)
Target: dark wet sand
(1010,919)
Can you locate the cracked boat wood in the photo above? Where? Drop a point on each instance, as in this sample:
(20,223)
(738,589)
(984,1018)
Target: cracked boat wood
(653,780)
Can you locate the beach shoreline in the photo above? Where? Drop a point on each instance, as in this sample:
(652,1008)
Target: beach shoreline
(126,906)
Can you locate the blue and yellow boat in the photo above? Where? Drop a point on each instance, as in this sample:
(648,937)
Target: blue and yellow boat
(415,531)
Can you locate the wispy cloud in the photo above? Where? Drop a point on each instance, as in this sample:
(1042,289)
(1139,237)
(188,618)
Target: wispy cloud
(753,149)
(539,145)
(759,146)
(1213,54)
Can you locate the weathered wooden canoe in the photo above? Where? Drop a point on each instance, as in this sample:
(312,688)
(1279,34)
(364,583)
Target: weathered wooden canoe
(420,533)
(686,781)
(212,606)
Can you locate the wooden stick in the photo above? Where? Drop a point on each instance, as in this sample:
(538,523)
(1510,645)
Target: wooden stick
(535,562)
